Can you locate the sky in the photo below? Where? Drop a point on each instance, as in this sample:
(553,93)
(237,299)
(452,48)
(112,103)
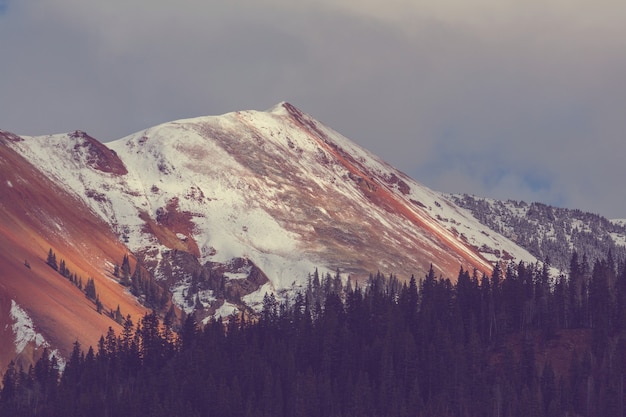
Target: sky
(522,100)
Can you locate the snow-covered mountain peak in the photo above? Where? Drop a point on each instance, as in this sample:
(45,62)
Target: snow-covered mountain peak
(304,179)
(274,190)
(279,108)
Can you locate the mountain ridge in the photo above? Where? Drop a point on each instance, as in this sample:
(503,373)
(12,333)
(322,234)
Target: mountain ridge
(220,210)
(548,232)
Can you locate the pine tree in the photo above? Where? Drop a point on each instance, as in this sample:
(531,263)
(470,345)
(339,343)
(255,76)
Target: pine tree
(600,305)
(548,389)
(137,286)
(52,260)
(126,338)
(189,332)
(269,313)
(99,305)
(408,301)
(90,289)
(9,384)
(72,371)
(117,315)
(125,272)
(62,268)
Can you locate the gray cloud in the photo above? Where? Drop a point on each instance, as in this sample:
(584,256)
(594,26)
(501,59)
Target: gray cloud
(502,100)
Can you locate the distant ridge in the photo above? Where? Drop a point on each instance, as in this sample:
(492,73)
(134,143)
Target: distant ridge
(549,232)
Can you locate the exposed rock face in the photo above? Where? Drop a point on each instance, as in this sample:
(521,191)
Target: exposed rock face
(97,155)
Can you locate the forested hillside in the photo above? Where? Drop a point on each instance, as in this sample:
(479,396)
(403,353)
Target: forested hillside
(548,232)
(516,343)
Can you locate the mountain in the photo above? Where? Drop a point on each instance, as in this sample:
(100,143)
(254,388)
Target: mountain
(218,211)
(548,232)
(38,307)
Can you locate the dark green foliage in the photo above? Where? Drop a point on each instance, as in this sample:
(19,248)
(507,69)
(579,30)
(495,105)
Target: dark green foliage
(52,260)
(99,305)
(144,287)
(117,315)
(426,348)
(124,272)
(90,289)
(62,269)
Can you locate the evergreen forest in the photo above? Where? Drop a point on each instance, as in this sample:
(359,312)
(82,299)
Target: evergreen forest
(518,342)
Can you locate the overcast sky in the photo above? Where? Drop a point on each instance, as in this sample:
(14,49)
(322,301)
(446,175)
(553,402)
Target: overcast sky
(499,98)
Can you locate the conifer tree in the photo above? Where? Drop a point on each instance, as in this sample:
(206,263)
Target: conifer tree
(9,385)
(99,305)
(52,260)
(90,289)
(62,268)
(117,315)
(125,272)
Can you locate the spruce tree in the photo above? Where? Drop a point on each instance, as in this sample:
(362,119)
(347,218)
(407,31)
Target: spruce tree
(52,260)
(117,315)
(125,272)
(90,289)
(99,305)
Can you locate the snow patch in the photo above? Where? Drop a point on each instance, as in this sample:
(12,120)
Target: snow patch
(24,329)
(179,292)
(180,296)
(619,239)
(255,299)
(242,273)
(226,310)
(25,333)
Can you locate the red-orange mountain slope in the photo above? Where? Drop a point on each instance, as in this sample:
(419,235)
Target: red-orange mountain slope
(36,215)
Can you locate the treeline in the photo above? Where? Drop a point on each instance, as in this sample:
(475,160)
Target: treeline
(425,348)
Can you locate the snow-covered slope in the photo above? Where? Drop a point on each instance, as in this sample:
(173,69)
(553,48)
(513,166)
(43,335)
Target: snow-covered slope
(550,232)
(275,189)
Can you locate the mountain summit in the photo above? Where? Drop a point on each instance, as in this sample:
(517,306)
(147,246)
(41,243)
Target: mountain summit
(218,211)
